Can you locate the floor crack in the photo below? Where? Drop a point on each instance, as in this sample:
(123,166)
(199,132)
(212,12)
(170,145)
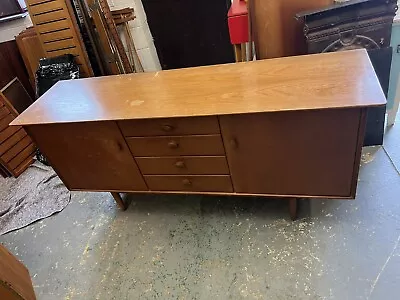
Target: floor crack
(391,160)
(383,267)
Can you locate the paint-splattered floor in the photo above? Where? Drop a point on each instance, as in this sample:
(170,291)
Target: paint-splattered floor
(178,247)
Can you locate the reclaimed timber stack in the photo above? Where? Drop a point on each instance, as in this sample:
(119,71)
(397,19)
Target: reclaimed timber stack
(58,32)
(16,147)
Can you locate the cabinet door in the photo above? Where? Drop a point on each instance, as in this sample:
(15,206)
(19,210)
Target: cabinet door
(310,153)
(89,156)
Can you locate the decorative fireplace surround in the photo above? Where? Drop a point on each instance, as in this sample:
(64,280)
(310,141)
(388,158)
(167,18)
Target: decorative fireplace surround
(351,25)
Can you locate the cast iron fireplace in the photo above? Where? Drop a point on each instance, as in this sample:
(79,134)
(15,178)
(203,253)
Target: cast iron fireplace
(352,25)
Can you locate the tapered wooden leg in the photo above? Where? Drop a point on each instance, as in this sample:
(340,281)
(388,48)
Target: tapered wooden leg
(118,199)
(293,208)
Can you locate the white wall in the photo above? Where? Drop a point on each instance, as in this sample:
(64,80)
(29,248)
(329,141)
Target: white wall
(139,28)
(141,34)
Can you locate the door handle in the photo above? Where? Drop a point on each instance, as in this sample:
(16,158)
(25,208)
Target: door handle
(234,143)
(120,146)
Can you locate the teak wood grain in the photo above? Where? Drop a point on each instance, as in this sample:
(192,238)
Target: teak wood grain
(170,126)
(89,155)
(215,183)
(177,145)
(195,165)
(260,86)
(302,153)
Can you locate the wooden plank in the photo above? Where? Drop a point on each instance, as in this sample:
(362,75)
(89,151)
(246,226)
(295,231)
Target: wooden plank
(56,36)
(5,121)
(58,14)
(23,166)
(56,29)
(54,53)
(63,44)
(107,51)
(36,2)
(23,155)
(259,86)
(4,112)
(9,131)
(16,149)
(115,36)
(13,140)
(51,27)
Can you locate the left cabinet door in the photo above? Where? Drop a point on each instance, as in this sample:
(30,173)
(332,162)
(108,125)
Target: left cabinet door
(89,156)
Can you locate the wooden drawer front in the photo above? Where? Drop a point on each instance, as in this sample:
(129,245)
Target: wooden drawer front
(176,145)
(216,183)
(170,126)
(196,165)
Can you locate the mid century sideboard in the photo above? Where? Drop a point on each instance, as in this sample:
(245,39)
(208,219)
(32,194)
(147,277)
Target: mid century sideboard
(289,127)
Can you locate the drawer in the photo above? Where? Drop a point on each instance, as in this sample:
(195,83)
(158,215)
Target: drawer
(196,165)
(212,183)
(170,126)
(176,145)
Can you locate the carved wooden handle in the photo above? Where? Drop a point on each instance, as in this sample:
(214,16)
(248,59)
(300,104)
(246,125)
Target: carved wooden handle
(173,144)
(167,127)
(180,164)
(186,182)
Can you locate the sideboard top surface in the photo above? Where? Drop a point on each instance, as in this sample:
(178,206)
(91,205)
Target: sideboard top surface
(319,81)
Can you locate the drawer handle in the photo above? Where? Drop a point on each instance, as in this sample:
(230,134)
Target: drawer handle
(173,145)
(180,164)
(167,128)
(186,182)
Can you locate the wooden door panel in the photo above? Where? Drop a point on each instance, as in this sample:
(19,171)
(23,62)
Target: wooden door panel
(309,153)
(89,156)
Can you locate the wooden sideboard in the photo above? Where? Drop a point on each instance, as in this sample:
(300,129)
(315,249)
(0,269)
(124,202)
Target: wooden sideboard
(288,127)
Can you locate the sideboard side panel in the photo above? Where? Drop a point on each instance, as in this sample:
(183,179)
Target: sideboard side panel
(305,153)
(89,156)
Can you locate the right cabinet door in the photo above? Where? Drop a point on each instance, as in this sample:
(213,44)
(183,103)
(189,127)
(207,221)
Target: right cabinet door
(298,153)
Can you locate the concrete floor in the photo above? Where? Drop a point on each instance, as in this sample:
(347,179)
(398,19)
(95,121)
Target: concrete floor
(198,247)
